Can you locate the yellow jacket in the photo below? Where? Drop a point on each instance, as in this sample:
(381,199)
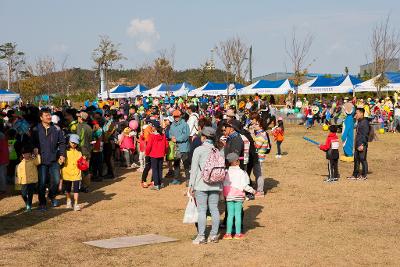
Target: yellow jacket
(27,172)
(70,171)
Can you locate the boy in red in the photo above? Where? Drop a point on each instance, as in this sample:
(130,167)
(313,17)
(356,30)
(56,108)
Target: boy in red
(331,147)
(156,149)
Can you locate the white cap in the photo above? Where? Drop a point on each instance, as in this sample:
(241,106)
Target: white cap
(55,119)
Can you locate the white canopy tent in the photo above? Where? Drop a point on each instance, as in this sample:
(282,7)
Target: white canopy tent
(8,96)
(323,85)
(215,89)
(369,85)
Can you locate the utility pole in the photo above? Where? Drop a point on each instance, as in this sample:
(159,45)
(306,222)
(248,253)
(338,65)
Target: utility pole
(250,64)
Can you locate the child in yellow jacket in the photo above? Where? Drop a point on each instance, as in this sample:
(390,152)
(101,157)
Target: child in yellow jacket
(27,175)
(70,172)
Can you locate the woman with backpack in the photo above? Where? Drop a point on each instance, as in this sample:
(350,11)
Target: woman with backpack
(206,193)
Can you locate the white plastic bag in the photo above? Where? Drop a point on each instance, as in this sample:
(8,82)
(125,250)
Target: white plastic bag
(191,214)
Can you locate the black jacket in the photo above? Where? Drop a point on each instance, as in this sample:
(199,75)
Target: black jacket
(50,142)
(362,132)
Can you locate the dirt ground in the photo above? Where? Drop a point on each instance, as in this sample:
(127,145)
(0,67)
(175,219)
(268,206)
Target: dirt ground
(301,221)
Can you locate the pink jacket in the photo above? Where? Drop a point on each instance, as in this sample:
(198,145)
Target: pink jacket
(127,142)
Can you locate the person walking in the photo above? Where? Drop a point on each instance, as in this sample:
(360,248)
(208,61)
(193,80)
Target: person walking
(85,132)
(49,142)
(207,195)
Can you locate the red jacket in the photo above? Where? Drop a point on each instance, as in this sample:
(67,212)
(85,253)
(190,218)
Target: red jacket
(4,158)
(331,138)
(157,146)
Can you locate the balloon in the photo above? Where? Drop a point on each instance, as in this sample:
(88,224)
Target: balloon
(325,127)
(381,131)
(296,110)
(133,124)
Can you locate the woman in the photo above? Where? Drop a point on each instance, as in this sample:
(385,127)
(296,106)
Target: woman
(207,195)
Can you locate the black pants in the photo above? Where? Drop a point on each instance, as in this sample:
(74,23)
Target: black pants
(147,166)
(360,157)
(156,168)
(96,164)
(27,191)
(186,164)
(108,153)
(278,146)
(333,168)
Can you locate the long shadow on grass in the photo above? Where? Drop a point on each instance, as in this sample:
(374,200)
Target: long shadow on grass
(19,219)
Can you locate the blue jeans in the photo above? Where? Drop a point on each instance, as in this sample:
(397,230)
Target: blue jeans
(208,199)
(48,174)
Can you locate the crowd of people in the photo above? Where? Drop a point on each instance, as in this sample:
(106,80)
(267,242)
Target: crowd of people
(52,150)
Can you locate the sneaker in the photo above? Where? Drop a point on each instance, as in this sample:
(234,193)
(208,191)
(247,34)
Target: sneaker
(175,182)
(42,208)
(28,208)
(140,170)
(151,184)
(238,236)
(259,194)
(134,165)
(156,187)
(199,240)
(227,237)
(54,203)
(77,207)
(144,184)
(362,178)
(69,204)
(352,178)
(212,239)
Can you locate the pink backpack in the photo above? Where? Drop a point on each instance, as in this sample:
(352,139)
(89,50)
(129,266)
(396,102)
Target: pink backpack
(214,170)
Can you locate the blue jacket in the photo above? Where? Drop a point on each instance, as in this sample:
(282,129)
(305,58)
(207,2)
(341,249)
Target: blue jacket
(180,130)
(50,142)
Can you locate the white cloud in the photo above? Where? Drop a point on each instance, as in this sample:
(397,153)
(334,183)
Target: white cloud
(145,33)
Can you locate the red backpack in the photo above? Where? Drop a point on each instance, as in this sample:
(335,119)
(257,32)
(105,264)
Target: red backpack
(214,170)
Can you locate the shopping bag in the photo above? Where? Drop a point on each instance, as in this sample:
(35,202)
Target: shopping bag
(191,214)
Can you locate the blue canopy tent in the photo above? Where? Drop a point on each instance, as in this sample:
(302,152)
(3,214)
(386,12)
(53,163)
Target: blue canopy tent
(262,87)
(8,96)
(324,85)
(120,91)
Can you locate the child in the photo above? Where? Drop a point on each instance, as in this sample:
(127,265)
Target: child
(27,175)
(142,149)
(236,182)
(70,172)
(96,163)
(156,149)
(278,133)
(127,146)
(331,147)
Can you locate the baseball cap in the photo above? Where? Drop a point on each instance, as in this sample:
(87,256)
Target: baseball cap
(74,138)
(232,157)
(83,115)
(208,131)
(176,113)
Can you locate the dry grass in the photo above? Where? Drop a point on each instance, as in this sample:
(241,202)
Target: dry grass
(301,221)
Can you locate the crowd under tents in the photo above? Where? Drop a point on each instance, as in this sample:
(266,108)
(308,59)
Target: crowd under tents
(8,96)
(262,87)
(369,85)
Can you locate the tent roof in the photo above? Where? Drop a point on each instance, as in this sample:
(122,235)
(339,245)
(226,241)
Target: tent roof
(4,91)
(121,89)
(268,84)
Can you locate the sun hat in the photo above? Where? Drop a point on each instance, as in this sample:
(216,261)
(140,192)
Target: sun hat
(74,138)
(208,131)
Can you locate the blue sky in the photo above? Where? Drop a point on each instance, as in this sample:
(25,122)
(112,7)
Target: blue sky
(57,28)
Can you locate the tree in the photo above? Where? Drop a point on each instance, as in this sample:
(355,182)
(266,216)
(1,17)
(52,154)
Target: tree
(105,55)
(385,48)
(13,59)
(298,50)
(232,54)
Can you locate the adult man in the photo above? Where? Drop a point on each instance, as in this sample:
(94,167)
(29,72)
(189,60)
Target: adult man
(84,132)
(179,133)
(234,142)
(361,146)
(108,139)
(193,122)
(49,141)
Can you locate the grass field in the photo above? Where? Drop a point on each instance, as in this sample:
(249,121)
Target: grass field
(301,221)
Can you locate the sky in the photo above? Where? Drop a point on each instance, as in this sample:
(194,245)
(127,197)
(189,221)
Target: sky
(61,28)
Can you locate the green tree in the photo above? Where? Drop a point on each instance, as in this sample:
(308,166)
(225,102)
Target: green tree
(13,59)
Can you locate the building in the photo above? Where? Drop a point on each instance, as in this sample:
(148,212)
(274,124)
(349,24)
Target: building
(392,66)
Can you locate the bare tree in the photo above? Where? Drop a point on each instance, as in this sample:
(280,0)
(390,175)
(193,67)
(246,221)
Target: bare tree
(232,53)
(44,67)
(106,54)
(13,59)
(298,51)
(385,48)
